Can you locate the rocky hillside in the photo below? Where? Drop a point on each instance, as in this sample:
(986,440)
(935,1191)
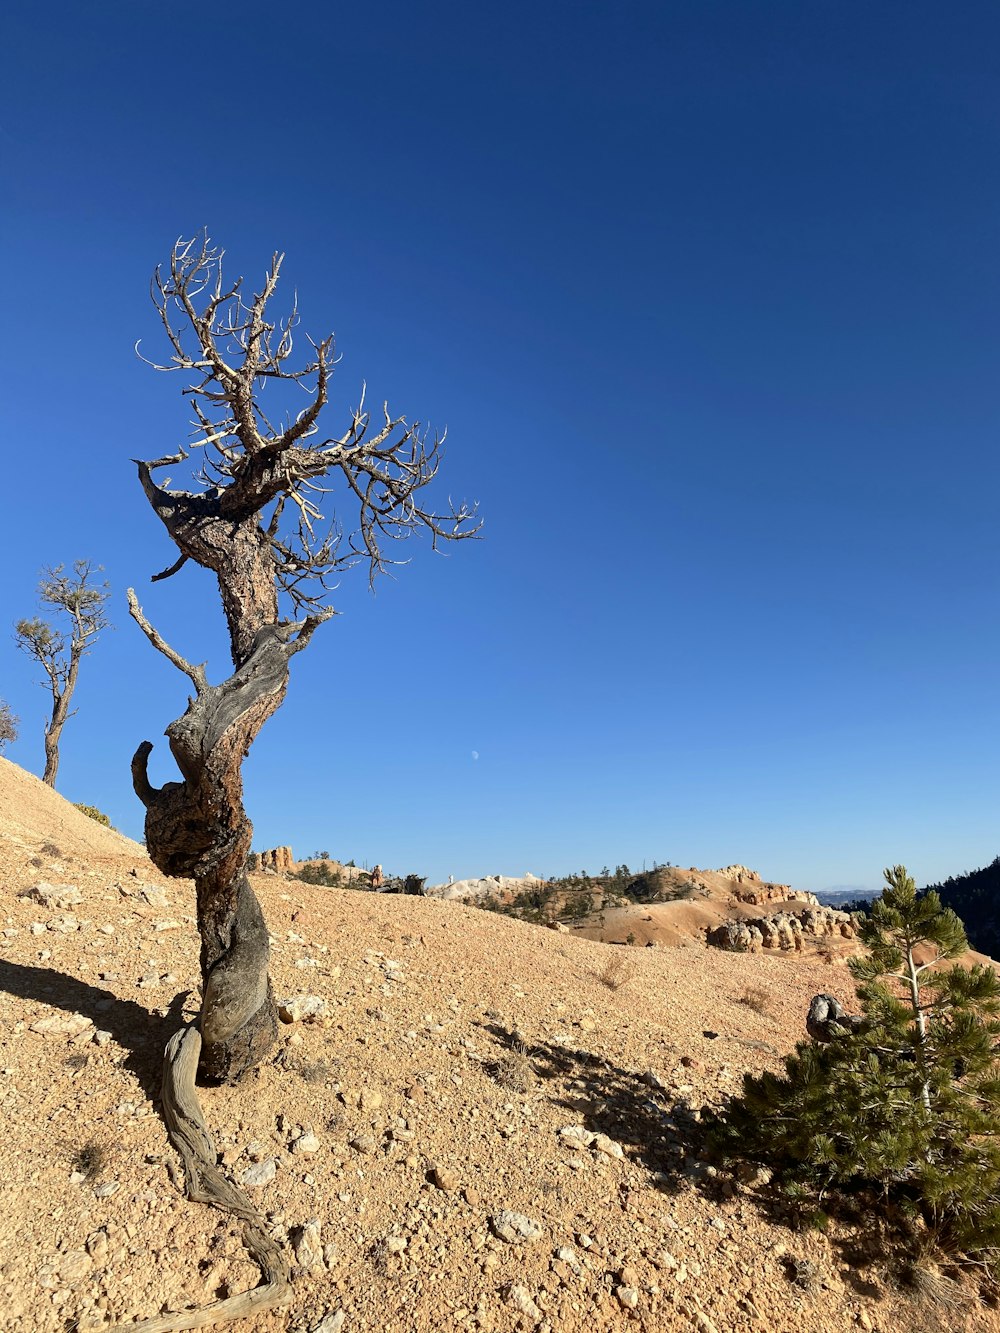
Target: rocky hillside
(469,1123)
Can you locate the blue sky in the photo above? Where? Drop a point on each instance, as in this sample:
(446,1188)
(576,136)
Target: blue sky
(707,296)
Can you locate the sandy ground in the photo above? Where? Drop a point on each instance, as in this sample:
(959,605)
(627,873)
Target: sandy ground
(455,1050)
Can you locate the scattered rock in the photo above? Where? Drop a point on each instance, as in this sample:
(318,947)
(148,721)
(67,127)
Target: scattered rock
(301,1008)
(260,1173)
(514,1227)
(59,896)
(444,1178)
(627,1296)
(520,1298)
(331,1323)
(62,1025)
(306,1244)
(307,1142)
(363,1143)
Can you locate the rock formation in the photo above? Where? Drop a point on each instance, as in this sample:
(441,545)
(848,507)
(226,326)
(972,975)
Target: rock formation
(782,930)
(278,858)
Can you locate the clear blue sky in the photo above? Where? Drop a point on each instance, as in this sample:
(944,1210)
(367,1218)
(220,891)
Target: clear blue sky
(707,296)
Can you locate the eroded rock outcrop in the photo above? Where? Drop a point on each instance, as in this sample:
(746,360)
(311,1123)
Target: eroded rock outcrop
(781,930)
(277,858)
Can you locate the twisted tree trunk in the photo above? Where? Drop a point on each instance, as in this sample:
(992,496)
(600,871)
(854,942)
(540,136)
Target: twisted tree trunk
(197,828)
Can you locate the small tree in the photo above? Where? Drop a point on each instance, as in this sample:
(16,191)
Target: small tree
(8,725)
(79,604)
(904,1100)
(258,470)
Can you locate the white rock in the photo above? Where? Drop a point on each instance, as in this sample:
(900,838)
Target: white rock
(62,1025)
(575,1136)
(515,1227)
(627,1296)
(260,1173)
(154,895)
(74,1265)
(51,895)
(331,1323)
(521,1300)
(306,1143)
(306,1243)
(301,1008)
(607,1146)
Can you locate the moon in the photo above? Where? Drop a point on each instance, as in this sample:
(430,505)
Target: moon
(475,754)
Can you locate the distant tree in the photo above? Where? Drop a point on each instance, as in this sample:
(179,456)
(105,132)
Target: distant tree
(902,1101)
(8,724)
(258,469)
(78,604)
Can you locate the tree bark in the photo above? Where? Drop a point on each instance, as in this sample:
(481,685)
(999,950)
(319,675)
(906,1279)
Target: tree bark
(198,828)
(60,712)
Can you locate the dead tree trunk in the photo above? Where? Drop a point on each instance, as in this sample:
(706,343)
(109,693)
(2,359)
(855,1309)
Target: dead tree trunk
(197,828)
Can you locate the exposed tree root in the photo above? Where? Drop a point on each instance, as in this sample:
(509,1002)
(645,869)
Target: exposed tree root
(205,1183)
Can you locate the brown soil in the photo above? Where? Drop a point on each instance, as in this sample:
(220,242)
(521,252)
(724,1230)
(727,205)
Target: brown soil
(455,1046)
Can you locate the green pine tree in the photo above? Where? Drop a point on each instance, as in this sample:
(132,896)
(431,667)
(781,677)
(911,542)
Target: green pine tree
(908,1105)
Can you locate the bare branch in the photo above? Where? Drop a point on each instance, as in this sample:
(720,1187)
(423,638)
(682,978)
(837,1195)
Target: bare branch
(196,674)
(167,573)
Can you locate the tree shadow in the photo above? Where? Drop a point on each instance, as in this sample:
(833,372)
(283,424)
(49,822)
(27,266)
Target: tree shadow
(137,1030)
(656,1128)
(666,1134)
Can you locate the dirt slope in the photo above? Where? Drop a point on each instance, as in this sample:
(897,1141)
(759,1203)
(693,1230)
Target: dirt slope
(452,1040)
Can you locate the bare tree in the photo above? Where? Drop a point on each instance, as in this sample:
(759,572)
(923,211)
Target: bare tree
(8,725)
(79,603)
(252,517)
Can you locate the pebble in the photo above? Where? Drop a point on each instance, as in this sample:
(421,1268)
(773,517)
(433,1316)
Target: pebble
(62,1025)
(627,1296)
(74,1265)
(260,1173)
(106,1190)
(306,1244)
(59,896)
(601,1143)
(306,1143)
(444,1178)
(520,1298)
(301,1008)
(97,1246)
(363,1143)
(513,1227)
(331,1323)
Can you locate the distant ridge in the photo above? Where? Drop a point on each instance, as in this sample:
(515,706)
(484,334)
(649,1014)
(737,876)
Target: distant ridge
(975,897)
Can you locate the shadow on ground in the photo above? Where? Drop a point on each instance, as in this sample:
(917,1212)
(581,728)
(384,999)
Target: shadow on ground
(138,1031)
(660,1131)
(665,1133)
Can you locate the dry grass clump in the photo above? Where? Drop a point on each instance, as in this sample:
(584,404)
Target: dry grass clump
(755,998)
(90,1159)
(514,1070)
(617,972)
(317,1071)
(923,1277)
